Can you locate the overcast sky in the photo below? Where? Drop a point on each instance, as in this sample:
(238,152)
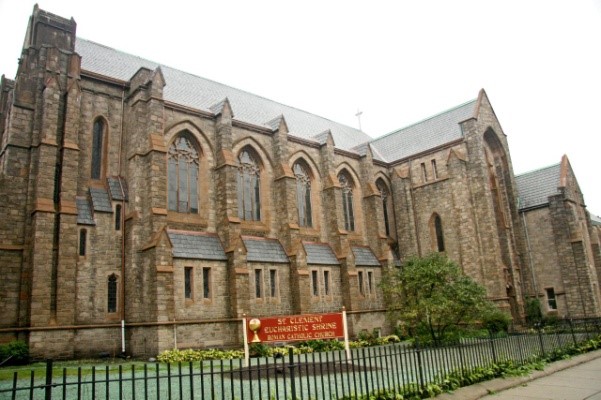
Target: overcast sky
(396,61)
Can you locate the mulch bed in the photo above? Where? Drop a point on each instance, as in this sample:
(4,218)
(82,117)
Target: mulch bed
(282,370)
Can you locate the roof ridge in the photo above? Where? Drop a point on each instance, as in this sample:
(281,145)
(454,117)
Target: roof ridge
(425,119)
(539,169)
(225,85)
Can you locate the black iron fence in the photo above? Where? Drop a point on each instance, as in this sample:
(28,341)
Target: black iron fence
(400,368)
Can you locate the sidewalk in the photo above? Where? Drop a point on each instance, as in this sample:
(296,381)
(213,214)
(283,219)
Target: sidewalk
(578,378)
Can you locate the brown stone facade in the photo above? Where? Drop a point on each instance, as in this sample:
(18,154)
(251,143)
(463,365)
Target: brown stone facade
(70,277)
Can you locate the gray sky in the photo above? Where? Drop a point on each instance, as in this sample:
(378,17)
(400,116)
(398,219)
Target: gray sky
(397,61)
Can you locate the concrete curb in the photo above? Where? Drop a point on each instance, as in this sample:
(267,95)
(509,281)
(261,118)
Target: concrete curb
(482,389)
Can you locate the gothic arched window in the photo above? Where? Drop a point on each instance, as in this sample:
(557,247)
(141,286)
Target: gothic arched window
(303,193)
(346,184)
(386,205)
(249,198)
(182,170)
(98,139)
(112,294)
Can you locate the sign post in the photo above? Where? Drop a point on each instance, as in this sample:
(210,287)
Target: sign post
(245,336)
(347,348)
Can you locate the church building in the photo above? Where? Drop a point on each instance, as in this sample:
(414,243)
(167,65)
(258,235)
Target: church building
(143,207)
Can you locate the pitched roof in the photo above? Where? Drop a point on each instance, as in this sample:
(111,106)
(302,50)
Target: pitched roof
(427,134)
(84,211)
(259,249)
(115,184)
(196,245)
(596,220)
(100,200)
(365,257)
(320,253)
(535,187)
(200,93)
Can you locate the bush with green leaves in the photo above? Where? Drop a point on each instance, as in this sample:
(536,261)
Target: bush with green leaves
(14,353)
(496,321)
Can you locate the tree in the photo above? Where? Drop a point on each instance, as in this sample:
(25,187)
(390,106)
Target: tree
(433,294)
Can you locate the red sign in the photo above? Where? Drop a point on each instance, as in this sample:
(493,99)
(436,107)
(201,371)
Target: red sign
(295,327)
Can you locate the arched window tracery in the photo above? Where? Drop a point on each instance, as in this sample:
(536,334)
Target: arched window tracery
(182,168)
(249,194)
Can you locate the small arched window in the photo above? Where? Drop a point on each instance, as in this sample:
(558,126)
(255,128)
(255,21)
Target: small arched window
(386,205)
(249,196)
(182,170)
(112,294)
(437,230)
(98,138)
(346,184)
(83,239)
(303,193)
(118,217)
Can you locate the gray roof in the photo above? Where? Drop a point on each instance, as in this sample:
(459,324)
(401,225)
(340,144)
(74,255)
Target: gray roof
(264,250)
(115,188)
(84,212)
(196,245)
(534,188)
(200,93)
(365,257)
(100,200)
(320,253)
(596,220)
(427,134)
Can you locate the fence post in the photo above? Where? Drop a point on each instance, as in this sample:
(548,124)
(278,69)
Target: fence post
(418,353)
(492,346)
(48,387)
(291,367)
(572,331)
(540,338)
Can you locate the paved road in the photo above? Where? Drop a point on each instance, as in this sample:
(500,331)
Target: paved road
(578,378)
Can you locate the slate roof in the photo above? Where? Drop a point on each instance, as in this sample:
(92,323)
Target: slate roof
(100,200)
(427,134)
(115,188)
(534,188)
(320,253)
(200,93)
(596,220)
(365,257)
(196,245)
(84,212)
(264,250)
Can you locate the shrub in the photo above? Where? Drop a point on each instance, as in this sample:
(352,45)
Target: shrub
(15,352)
(496,321)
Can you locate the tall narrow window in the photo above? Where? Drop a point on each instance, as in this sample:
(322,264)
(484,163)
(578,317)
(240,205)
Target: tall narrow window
(361,283)
(118,217)
(182,170)
(370,282)
(98,134)
(386,205)
(258,283)
(249,199)
(424,172)
(434,169)
(551,300)
(347,201)
(438,233)
(303,194)
(273,283)
(112,294)
(188,282)
(206,283)
(314,283)
(326,283)
(83,237)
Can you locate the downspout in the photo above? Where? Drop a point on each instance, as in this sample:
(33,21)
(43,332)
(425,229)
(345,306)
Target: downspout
(122,221)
